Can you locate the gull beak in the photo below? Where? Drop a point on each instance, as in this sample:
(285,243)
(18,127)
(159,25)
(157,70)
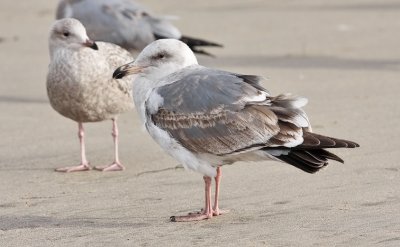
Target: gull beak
(91,44)
(127,69)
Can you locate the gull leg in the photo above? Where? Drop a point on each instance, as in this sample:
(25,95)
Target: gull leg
(116,165)
(84,166)
(206,213)
(216,210)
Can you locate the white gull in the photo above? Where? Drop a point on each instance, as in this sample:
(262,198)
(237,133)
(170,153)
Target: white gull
(206,118)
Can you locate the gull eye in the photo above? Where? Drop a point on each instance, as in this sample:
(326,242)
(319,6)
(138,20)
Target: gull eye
(160,55)
(66,34)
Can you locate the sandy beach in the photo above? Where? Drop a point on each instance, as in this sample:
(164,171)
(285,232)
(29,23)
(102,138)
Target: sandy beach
(344,56)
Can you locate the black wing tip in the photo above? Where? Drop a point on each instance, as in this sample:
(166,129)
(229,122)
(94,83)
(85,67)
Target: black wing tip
(253,80)
(327,155)
(310,161)
(300,164)
(190,41)
(317,141)
(194,43)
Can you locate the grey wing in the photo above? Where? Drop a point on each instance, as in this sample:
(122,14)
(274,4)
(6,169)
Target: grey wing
(61,10)
(121,22)
(217,112)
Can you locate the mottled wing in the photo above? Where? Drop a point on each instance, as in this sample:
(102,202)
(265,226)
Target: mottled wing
(116,57)
(210,111)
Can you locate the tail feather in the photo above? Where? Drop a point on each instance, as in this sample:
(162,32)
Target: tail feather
(309,161)
(310,156)
(303,161)
(329,155)
(316,141)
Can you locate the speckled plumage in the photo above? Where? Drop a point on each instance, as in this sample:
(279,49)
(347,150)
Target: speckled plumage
(80,84)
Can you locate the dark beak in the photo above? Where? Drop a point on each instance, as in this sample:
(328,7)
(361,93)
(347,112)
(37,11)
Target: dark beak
(119,73)
(91,44)
(127,69)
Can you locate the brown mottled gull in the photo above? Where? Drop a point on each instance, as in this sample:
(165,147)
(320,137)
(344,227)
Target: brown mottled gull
(206,118)
(80,84)
(125,23)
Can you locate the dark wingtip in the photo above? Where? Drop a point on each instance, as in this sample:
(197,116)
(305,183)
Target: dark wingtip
(94,46)
(172,218)
(194,43)
(329,155)
(198,42)
(119,73)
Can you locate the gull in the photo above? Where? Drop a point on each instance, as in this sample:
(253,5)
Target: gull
(125,23)
(80,84)
(206,118)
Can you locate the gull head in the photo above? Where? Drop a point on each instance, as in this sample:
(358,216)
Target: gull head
(160,58)
(69,33)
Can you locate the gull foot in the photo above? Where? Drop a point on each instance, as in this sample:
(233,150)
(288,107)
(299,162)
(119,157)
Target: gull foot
(116,166)
(215,212)
(79,168)
(192,217)
(218,211)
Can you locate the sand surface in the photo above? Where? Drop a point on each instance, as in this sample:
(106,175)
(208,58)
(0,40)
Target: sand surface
(342,55)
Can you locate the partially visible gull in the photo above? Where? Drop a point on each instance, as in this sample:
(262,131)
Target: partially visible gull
(206,118)
(80,84)
(125,23)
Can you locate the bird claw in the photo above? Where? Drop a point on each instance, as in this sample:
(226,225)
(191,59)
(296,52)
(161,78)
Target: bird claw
(79,168)
(218,211)
(215,212)
(116,166)
(198,215)
(191,217)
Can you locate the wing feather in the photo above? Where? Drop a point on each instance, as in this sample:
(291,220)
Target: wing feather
(210,111)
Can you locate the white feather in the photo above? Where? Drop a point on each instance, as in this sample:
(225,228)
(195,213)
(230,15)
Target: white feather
(257,98)
(294,143)
(301,121)
(154,102)
(173,148)
(299,102)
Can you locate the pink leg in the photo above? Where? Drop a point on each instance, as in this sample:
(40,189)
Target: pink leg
(84,166)
(116,165)
(216,210)
(206,213)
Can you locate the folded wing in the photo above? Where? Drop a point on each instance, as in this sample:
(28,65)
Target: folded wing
(220,113)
